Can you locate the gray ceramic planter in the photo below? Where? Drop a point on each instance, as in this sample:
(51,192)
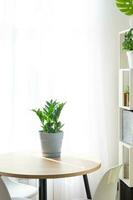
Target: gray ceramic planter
(51,144)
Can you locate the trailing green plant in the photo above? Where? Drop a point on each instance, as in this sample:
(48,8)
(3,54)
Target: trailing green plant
(128,40)
(125,6)
(49,116)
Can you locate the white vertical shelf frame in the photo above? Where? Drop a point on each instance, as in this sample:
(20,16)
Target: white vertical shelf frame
(122,83)
(126,174)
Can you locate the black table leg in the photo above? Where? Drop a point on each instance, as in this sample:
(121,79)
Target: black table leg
(42,189)
(87,187)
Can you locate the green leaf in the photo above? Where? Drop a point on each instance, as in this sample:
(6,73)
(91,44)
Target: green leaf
(125,6)
(128,40)
(49,116)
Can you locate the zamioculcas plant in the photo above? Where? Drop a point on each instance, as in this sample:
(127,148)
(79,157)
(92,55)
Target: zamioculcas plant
(125,6)
(49,116)
(51,135)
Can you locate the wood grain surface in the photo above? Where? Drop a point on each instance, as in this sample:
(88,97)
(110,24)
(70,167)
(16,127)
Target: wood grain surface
(33,165)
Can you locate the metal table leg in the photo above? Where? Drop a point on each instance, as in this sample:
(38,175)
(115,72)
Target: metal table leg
(87,187)
(42,189)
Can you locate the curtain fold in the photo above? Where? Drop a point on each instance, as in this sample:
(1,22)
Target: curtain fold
(67,50)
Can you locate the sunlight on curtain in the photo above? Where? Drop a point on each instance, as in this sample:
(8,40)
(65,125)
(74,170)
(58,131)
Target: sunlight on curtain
(67,50)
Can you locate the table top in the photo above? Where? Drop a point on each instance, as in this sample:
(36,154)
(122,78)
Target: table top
(33,165)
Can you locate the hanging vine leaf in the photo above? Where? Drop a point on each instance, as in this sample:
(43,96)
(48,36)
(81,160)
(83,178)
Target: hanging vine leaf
(125,6)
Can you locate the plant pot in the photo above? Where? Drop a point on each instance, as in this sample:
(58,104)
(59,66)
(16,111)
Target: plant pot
(130,58)
(126,99)
(51,144)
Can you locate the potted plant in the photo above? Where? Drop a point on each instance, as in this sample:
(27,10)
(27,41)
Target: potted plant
(128,46)
(51,135)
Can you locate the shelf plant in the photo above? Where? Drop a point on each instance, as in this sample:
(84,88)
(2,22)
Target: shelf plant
(128,40)
(51,134)
(127,45)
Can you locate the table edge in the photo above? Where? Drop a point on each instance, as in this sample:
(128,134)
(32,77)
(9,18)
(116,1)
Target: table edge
(55,176)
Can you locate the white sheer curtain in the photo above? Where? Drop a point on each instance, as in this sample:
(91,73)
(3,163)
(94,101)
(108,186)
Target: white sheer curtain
(67,50)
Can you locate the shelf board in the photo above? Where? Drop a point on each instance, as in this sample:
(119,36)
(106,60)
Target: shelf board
(126,69)
(126,107)
(126,181)
(121,32)
(129,146)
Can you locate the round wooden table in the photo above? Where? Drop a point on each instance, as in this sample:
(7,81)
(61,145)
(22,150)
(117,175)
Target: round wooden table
(34,166)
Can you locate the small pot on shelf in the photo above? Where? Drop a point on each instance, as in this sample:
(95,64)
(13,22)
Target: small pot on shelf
(126,96)
(126,99)
(130,59)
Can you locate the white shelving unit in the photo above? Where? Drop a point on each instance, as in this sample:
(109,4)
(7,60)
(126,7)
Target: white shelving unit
(125,81)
